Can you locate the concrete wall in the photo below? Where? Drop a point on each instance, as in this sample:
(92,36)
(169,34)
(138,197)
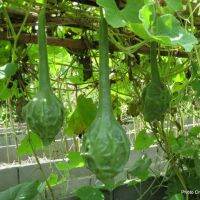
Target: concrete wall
(13,175)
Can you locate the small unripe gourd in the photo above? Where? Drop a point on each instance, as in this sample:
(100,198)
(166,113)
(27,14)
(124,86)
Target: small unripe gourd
(106,147)
(156,96)
(44,114)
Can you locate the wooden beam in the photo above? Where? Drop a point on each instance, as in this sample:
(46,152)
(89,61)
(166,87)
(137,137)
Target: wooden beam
(80,44)
(75,45)
(18,15)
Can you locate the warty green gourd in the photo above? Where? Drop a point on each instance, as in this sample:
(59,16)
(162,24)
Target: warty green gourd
(105,146)
(155,96)
(44,114)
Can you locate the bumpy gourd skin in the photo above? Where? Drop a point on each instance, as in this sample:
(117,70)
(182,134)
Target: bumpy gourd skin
(156,96)
(106,147)
(156,100)
(45,116)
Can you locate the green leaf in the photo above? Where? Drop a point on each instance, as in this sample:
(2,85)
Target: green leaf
(119,18)
(5,93)
(177,197)
(179,78)
(88,193)
(178,86)
(143,140)
(194,131)
(25,191)
(166,29)
(87,109)
(140,16)
(140,169)
(139,30)
(30,141)
(75,161)
(196,86)
(8,70)
(112,13)
(53,179)
(40,1)
(181,146)
(63,166)
(175,5)
(169,31)
(131,11)
(147,15)
(82,116)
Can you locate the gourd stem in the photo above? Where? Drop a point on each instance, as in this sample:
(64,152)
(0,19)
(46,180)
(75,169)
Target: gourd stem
(155,76)
(42,171)
(104,82)
(44,80)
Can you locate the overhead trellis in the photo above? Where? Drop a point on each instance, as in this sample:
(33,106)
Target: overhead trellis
(78,18)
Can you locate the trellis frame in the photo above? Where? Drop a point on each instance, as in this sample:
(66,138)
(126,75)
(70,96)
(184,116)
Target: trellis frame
(70,21)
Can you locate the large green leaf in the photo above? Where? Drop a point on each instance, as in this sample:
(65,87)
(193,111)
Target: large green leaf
(119,18)
(170,32)
(82,116)
(25,191)
(131,15)
(112,13)
(131,11)
(166,29)
(140,16)
(89,192)
(147,15)
(139,30)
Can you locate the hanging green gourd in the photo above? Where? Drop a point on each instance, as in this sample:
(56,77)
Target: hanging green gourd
(44,114)
(105,146)
(156,96)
